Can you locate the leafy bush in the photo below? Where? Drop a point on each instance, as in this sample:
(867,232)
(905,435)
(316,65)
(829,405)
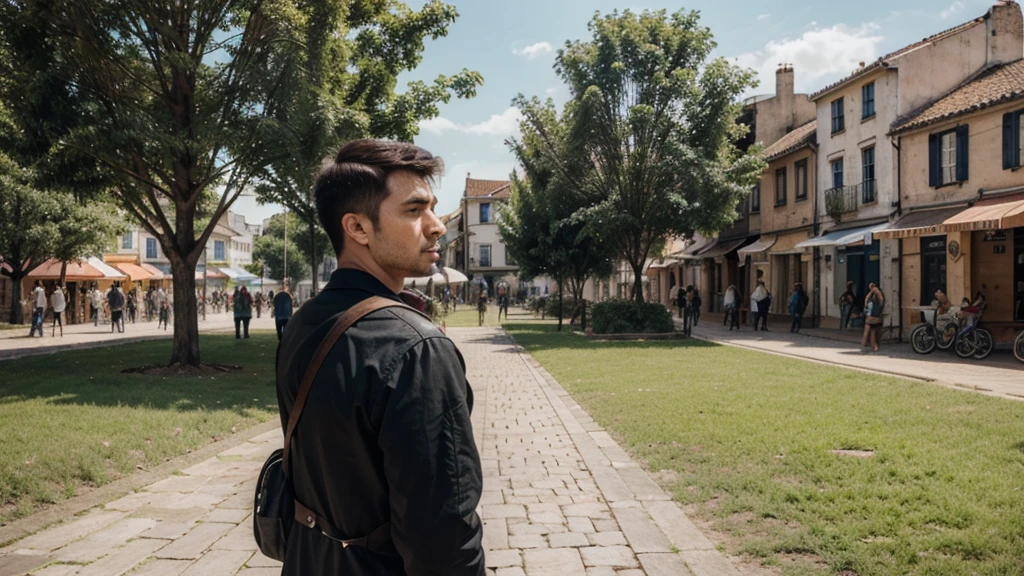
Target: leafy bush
(551,307)
(628,317)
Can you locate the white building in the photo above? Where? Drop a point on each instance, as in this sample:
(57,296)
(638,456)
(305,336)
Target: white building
(857,183)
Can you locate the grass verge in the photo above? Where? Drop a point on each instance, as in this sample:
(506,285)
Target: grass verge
(71,421)
(745,441)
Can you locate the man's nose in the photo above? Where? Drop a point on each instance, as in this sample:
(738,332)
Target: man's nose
(435,228)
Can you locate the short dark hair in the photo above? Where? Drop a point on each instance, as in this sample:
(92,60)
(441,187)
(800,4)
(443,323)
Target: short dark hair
(355,181)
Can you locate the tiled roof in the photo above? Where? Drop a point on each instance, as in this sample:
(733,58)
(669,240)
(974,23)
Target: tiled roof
(887,60)
(487,188)
(995,85)
(794,140)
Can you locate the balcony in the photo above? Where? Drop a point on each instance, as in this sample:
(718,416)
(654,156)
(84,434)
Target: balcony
(842,200)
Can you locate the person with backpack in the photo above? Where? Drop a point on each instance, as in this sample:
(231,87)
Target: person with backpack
(115,302)
(383,455)
(243,311)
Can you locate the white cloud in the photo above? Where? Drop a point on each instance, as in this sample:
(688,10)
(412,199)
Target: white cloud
(953,9)
(504,124)
(816,54)
(534,51)
(763,16)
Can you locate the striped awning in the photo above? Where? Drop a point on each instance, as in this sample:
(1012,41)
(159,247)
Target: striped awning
(994,214)
(922,223)
(134,271)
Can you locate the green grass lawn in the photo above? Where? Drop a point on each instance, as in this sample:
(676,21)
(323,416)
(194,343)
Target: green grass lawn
(71,421)
(744,440)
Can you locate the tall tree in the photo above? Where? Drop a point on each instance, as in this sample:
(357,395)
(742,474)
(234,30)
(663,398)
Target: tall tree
(657,119)
(84,228)
(350,94)
(182,98)
(269,248)
(542,225)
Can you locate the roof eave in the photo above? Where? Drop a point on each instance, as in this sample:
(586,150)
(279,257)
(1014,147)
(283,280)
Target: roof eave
(910,127)
(875,66)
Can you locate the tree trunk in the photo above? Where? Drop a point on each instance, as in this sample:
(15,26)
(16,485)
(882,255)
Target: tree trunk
(638,282)
(185,350)
(312,252)
(17,312)
(63,271)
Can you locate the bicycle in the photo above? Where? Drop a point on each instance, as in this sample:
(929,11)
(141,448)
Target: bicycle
(972,341)
(927,336)
(1018,346)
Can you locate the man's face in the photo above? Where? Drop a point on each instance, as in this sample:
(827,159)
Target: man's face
(405,242)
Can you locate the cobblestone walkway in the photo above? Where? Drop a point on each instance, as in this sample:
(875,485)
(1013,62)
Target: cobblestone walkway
(560,498)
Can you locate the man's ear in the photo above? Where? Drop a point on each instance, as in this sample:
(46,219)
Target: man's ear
(357,227)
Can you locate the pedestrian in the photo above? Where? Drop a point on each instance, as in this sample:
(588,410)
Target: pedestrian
(847,303)
(163,308)
(59,303)
(282,310)
(874,304)
(386,449)
(795,308)
(681,301)
(688,319)
(39,299)
(762,299)
(731,301)
(503,306)
(97,304)
(258,303)
(243,311)
(129,306)
(115,301)
(481,306)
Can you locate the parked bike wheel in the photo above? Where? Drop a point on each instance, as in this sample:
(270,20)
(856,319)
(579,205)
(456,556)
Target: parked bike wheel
(984,344)
(945,337)
(1018,346)
(966,346)
(922,339)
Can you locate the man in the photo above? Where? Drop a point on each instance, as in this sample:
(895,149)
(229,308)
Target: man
(39,308)
(282,310)
(97,304)
(385,437)
(762,300)
(115,301)
(58,301)
(163,308)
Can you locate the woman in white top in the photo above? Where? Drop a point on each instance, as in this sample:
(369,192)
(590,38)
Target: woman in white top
(59,302)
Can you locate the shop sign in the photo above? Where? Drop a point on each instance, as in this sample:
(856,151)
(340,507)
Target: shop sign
(954,250)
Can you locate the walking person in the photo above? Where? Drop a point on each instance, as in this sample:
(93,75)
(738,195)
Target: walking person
(258,303)
(39,308)
(163,308)
(695,309)
(847,303)
(385,448)
(503,306)
(795,307)
(681,301)
(282,310)
(59,303)
(731,301)
(481,306)
(874,304)
(115,301)
(130,306)
(761,298)
(243,311)
(97,304)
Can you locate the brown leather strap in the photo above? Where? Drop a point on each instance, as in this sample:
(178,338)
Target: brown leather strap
(375,541)
(343,323)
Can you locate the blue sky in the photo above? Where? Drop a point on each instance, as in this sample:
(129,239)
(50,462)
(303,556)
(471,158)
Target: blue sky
(513,45)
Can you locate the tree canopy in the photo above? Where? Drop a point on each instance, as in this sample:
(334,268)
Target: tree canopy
(657,120)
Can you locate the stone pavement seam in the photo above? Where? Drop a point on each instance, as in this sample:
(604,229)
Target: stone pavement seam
(656,528)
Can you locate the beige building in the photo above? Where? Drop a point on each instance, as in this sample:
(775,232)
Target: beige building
(857,168)
(482,254)
(788,206)
(962,199)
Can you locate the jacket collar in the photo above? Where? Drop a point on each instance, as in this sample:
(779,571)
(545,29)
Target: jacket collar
(352,279)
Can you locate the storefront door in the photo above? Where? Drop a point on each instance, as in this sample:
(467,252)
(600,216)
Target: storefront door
(933,267)
(862,266)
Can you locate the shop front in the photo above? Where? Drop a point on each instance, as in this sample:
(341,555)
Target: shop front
(721,269)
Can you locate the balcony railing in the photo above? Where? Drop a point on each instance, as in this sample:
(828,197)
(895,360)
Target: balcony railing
(841,200)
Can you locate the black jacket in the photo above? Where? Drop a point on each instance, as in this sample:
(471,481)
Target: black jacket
(385,437)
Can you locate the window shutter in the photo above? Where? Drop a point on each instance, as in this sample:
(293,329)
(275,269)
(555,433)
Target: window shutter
(1009,148)
(962,147)
(934,161)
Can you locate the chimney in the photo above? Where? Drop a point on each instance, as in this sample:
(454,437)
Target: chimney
(784,81)
(1004,29)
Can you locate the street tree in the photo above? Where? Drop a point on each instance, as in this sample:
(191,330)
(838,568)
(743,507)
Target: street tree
(350,94)
(181,102)
(657,118)
(542,225)
(269,248)
(84,228)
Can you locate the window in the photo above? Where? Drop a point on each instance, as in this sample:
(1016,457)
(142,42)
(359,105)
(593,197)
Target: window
(867,171)
(800,180)
(755,199)
(838,119)
(1013,140)
(867,94)
(485,212)
(947,157)
(218,250)
(837,173)
(150,247)
(485,255)
(780,187)
(128,240)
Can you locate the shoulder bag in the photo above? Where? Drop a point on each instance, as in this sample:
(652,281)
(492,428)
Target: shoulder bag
(275,508)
